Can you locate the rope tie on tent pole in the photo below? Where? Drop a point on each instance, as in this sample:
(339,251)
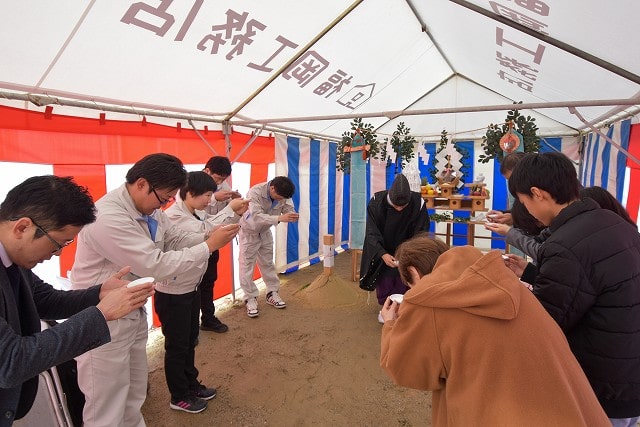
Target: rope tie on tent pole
(226,131)
(97,106)
(41,101)
(143,118)
(575,112)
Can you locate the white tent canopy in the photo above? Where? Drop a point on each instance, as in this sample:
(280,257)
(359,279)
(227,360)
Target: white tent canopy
(301,66)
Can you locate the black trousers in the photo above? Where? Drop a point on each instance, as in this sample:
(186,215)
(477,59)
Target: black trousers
(179,317)
(206,288)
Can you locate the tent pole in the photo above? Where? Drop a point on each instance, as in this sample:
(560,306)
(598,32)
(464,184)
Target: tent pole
(616,114)
(213,150)
(248,144)
(575,112)
(42,100)
(450,110)
(425,30)
(226,131)
(267,124)
(294,59)
(553,42)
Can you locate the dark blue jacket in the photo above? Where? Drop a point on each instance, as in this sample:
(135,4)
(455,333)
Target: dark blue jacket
(25,351)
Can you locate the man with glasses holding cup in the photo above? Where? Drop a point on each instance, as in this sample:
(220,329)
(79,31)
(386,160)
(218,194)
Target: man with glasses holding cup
(131,229)
(38,219)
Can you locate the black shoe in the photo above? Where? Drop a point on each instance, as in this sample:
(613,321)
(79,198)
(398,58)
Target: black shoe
(214,325)
(203,392)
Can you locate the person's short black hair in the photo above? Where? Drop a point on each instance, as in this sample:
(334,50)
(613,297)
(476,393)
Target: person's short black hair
(219,165)
(283,186)
(51,201)
(198,183)
(160,170)
(552,172)
(510,161)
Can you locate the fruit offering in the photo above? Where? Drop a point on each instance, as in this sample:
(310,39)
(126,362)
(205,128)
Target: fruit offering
(427,190)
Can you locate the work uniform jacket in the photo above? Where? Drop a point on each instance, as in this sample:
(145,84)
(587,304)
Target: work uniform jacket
(216,206)
(263,211)
(256,238)
(120,236)
(180,216)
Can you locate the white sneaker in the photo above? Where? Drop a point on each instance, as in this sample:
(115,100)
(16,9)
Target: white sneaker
(274,299)
(380,319)
(252,307)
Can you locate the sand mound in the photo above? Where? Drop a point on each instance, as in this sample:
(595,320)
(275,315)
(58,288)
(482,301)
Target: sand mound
(315,363)
(331,291)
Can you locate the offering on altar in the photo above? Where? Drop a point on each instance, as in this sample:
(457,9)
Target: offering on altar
(478,187)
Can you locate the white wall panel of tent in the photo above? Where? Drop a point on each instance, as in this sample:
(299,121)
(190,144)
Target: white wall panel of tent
(303,70)
(262,62)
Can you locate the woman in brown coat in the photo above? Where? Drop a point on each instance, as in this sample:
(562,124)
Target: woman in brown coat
(473,334)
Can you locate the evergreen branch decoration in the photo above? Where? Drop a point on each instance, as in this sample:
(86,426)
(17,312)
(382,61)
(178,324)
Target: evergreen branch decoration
(403,144)
(446,216)
(440,217)
(525,125)
(343,159)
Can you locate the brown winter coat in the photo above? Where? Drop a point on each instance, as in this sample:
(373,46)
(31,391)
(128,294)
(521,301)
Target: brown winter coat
(479,339)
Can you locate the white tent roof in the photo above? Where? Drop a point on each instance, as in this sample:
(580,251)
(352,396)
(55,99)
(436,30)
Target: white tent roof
(287,64)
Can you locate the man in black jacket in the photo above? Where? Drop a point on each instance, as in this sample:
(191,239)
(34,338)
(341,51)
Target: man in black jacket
(38,219)
(393,216)
(587,278)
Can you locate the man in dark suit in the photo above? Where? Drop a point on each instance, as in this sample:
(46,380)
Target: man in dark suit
(38,219)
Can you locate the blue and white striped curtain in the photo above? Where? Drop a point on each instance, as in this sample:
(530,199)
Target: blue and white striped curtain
(603,164)
(322,192)
(321,198)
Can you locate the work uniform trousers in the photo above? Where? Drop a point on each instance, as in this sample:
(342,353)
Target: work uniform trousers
(256,247)
(205,288)
(179,317)
(114,377)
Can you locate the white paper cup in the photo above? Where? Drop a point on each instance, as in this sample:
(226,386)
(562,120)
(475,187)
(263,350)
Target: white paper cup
(140,281)
(396,298)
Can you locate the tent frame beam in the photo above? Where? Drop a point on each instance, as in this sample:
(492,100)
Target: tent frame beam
(552,41)
(620,148)
(43,100)
(294,58)
(266,124)
(449,110)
